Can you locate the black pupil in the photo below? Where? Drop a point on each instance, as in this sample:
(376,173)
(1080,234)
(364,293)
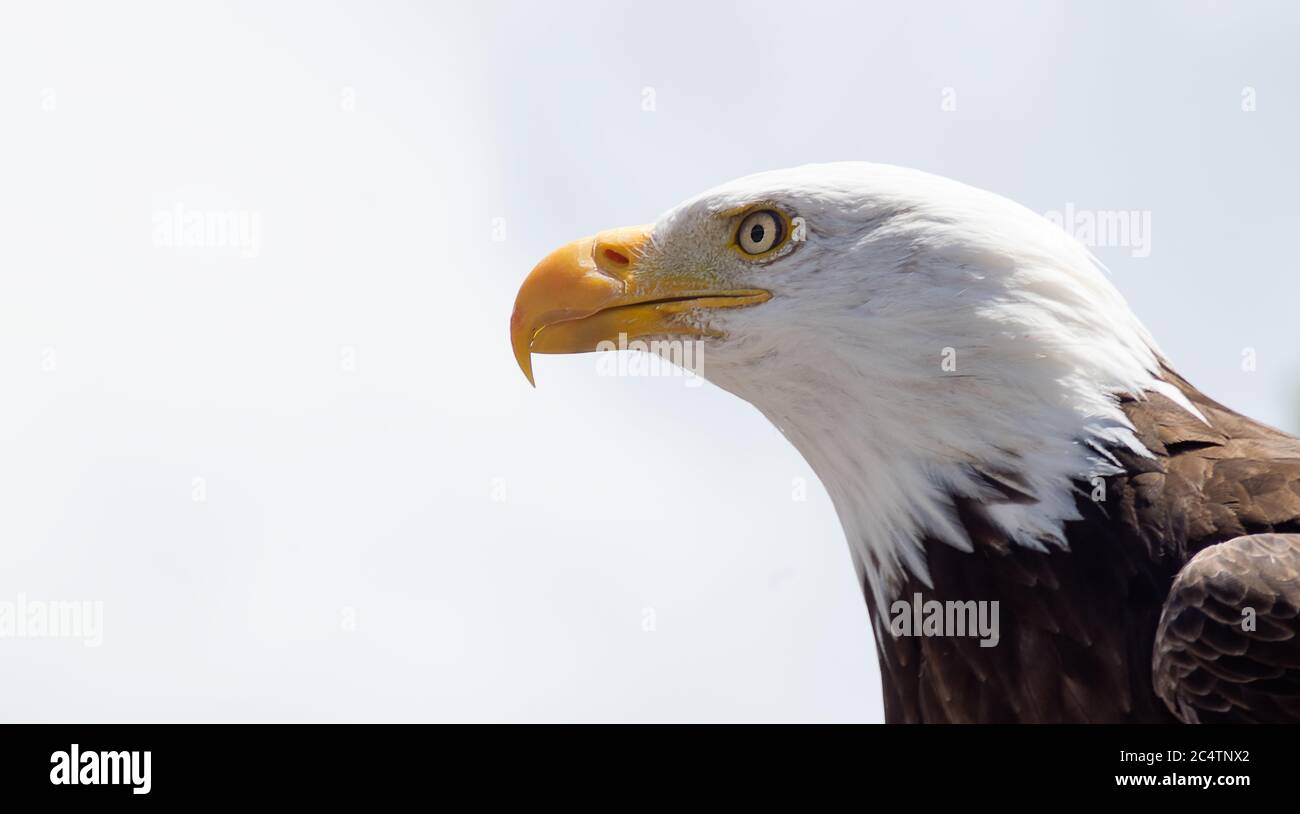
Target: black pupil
(756,233)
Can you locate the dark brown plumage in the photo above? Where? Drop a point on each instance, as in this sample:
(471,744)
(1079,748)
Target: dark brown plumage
(1080,628)
(1227,649)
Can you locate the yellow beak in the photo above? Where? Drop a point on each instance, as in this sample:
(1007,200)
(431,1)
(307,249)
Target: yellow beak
(593,290)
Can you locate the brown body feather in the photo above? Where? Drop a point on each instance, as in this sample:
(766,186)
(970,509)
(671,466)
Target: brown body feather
(1079,627)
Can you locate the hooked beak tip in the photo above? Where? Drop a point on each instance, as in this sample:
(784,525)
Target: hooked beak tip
(521,341)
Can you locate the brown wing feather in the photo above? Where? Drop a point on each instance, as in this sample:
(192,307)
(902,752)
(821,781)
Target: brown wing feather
(1228,646)
(1079,626)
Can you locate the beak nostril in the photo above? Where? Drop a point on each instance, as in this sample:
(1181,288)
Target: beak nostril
(617,252)
(617,258)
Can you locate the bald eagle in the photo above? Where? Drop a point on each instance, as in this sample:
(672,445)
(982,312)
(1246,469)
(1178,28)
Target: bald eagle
(992,424)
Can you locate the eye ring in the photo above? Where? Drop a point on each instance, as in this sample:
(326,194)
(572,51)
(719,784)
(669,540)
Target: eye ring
(761,232)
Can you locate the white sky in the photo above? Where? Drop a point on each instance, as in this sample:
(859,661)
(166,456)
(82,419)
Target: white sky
(347,396)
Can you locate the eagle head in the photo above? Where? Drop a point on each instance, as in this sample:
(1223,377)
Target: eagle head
(918,340)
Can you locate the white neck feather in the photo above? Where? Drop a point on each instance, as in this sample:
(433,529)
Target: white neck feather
(965,341)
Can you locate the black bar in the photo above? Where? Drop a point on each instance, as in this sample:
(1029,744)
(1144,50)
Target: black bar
(242,763)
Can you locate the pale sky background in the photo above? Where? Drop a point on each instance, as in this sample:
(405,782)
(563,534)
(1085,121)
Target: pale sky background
(347,399)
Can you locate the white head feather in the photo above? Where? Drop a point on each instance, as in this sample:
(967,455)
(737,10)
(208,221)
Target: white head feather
(898,272)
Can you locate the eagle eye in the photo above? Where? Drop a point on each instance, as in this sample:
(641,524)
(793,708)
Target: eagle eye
(760,232)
